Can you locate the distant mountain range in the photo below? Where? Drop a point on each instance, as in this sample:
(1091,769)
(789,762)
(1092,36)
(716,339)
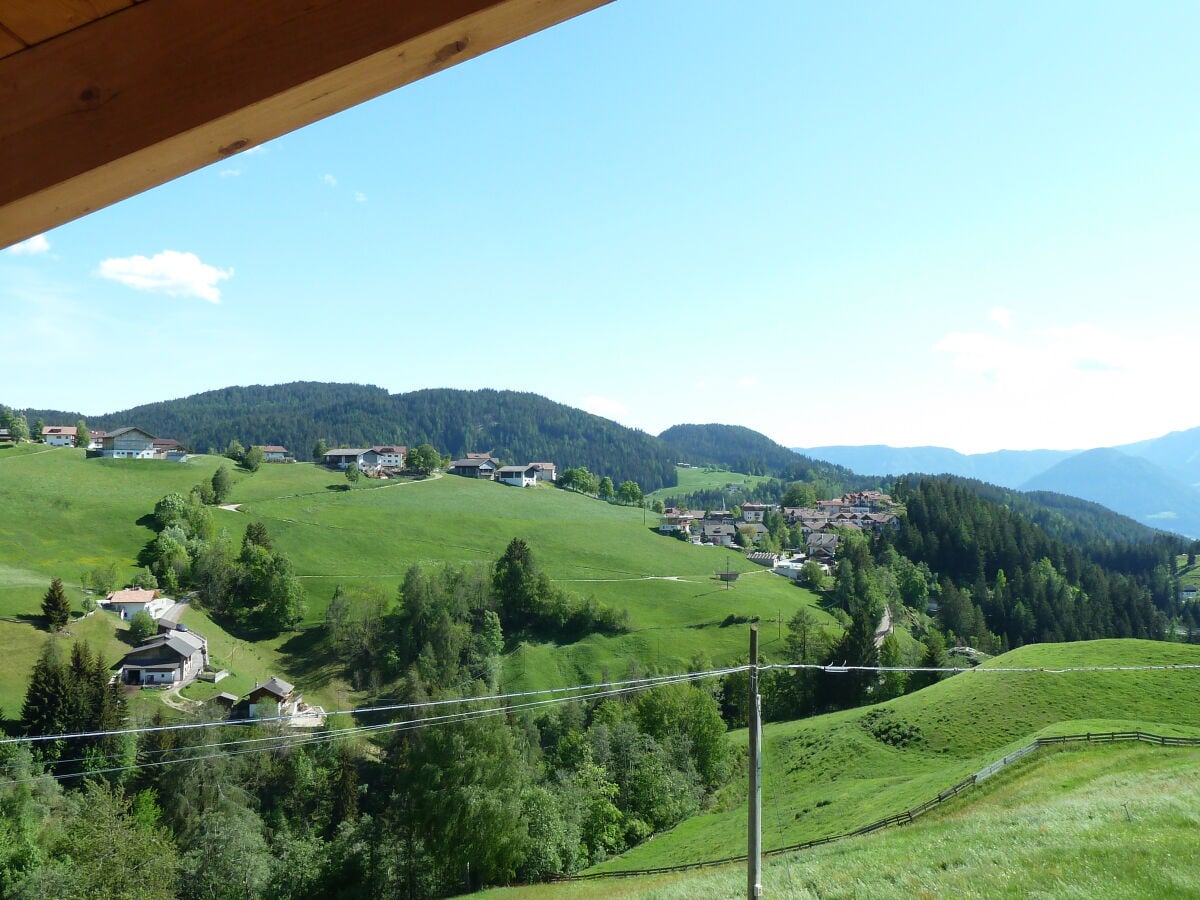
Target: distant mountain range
(1156,482)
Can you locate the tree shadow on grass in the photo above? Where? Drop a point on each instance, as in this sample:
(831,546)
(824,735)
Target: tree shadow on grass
(36,621)
(307,656)
(337,487)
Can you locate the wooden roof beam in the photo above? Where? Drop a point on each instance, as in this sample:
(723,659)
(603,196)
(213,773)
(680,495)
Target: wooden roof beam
(166,87)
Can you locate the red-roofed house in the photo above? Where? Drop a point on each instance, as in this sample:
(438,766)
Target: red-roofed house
(128,603)
(59,435)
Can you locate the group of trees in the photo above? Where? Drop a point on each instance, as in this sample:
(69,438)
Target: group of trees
(582,481)
(451,624)
(16,424)
(255,587)
(73,696)
(249,458)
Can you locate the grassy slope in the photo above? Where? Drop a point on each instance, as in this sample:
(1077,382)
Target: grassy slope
(692,480)
(828,775)
(368,537)
(1096,822)
(64,514)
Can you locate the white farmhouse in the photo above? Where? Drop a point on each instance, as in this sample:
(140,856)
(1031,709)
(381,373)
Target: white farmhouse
(128,603)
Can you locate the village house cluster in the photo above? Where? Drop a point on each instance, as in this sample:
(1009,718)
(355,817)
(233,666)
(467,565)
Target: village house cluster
(819,525)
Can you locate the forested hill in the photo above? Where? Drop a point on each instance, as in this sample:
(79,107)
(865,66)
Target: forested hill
(1000,573)
(1070,519)
(524,427)
(515,427)
(743,450)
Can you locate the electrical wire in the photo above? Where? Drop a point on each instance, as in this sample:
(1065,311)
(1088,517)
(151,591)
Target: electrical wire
(281,741)
(367,710)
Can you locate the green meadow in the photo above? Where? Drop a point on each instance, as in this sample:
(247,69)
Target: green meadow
(831,774)
(1099,822)
(64,514)
(692,480)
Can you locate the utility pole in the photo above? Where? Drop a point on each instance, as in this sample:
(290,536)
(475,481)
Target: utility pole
(754,797)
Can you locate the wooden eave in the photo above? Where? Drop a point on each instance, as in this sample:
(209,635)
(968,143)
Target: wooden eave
(103,99)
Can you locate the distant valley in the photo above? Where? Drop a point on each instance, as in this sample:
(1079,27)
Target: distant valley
(1156,482)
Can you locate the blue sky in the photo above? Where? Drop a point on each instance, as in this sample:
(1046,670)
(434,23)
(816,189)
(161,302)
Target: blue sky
(970,225)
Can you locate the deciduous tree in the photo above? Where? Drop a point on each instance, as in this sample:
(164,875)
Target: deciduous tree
(222,483)
(141,626)
(253,458)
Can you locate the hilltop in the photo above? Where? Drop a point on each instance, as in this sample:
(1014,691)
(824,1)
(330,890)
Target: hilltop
(515,427)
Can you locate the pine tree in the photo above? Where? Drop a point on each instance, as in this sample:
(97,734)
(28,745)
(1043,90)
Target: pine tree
(56,607)
(46,709)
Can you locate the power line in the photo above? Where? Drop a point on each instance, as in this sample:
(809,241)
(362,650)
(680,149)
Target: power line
(834,669)
(364,710)
(281,741)
(831,669)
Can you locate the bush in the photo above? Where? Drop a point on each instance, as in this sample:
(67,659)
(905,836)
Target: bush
(141,626)
(886,728)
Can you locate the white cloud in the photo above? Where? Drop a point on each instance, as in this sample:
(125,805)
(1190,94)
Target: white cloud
(257,148)
(329,179)
(32,247)
(1001,315)
(604,406)
(747,381)
(169,272)
(230,173)
(360,197)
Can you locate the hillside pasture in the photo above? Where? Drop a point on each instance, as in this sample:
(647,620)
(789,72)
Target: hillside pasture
(367,539)
(831,774)
(1105,822)
(692,480)
(66,514)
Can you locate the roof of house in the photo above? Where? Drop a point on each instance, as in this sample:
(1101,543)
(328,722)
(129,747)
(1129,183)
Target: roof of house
(821,540)
(346,451)
(390,448)
(184,643)
(277,686)
(514,470)
(131,595)
(271,448)
(121,431)
(542,465)
(478,456)
(60,429)
(472,462)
